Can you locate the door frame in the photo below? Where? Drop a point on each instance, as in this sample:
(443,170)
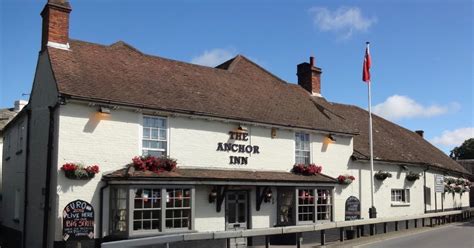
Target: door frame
(249,216)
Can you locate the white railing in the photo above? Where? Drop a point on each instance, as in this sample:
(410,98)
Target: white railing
(173,238)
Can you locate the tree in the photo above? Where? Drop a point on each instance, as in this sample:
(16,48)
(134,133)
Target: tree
(465,151)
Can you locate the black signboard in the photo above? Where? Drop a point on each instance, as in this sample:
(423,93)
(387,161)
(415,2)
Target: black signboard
(78,221)
(352,208)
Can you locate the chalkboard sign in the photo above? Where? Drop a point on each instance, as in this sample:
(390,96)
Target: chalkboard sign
(352,208)
(78,221)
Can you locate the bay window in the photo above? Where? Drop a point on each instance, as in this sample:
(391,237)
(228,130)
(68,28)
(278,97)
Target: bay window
(149,210)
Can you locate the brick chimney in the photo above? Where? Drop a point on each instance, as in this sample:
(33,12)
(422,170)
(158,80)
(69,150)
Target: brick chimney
(56,24)
(309,77)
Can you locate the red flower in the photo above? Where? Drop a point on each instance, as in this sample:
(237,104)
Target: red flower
(307,170)
(154,164)
(94,169)
(69,167)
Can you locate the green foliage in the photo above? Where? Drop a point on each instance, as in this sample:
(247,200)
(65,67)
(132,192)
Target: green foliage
(465,151)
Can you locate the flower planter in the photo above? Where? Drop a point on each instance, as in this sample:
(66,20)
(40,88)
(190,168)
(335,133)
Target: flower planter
(411,177)
(306,170)
(154,164)
(345,179)
(79,171)
(382,175)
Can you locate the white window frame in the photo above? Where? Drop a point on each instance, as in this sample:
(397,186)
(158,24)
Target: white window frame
(165,150)
(400,197)
(308,158)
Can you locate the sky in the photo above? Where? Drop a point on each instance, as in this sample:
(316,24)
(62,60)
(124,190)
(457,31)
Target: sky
(422,50)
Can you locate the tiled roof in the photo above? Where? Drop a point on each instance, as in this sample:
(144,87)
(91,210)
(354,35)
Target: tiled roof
(218,175)
(5,116)
(393,143)
(239,89)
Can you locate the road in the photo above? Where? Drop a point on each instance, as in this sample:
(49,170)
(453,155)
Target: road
(459,235)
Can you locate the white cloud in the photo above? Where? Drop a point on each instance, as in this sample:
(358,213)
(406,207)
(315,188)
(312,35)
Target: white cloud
(344,21)
(454,137)
(399,107)
(214,57)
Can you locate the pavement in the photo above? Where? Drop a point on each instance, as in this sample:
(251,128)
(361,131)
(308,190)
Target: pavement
(454,235)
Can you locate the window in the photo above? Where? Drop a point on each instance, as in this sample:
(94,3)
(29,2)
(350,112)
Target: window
(286,206)
(314,205)
(147,209)
(17,207)
(178,208)
(19,144)
(118,207)
(151,210)
(305,205)
(400,195)
(7,142)
(302,148)
(323,205)
(154,140)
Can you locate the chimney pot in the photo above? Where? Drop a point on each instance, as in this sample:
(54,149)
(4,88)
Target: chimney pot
(420,132)
(309,77)
(311,61)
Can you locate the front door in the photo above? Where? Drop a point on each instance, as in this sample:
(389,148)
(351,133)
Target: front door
(236,212)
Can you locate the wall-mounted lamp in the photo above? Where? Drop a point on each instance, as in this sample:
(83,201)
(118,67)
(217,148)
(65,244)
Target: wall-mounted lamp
(274,132)
(104,110)
(241,129)
(329,139)
(268,195)
(213,195)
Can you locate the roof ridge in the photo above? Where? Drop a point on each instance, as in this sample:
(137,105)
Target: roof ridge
(125,44)
(240,57)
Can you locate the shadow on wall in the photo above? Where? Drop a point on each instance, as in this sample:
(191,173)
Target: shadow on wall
(94,120)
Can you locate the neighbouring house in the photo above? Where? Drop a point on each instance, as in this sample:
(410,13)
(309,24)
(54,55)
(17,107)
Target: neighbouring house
(6,115)
(227,148)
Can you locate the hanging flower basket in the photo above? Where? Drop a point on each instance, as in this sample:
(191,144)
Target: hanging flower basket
(382,175)
(155,164)
(345,179)
(307,170)
(411,176)
(79,171)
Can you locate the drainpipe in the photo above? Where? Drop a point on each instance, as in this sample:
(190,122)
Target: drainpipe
(101,210)
(27,156)
(47,205)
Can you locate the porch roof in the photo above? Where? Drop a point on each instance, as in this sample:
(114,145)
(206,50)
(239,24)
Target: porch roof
(217,175)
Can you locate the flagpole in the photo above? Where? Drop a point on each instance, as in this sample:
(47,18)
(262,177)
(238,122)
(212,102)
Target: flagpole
(372,210)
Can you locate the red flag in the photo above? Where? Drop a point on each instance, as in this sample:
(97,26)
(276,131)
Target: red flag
(366,68)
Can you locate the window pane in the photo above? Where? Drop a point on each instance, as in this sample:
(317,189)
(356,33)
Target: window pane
(154,134)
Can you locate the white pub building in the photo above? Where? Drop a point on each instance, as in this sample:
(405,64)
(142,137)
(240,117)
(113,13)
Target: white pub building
(117,144)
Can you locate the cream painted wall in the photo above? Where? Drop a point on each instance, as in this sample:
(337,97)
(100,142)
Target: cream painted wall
(194,143)
(87,137)
(111,141)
